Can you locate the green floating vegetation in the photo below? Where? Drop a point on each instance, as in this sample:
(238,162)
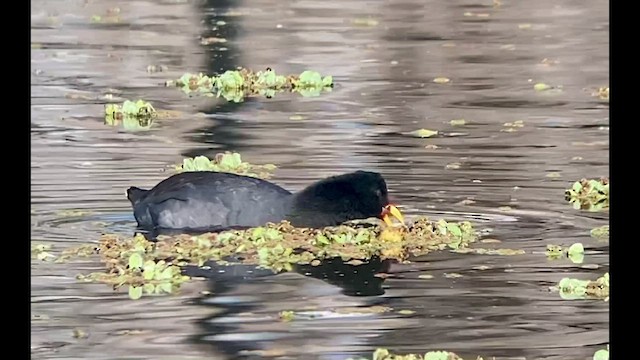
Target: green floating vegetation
(602,354)
(310,313)
(138,262)
(135,267)
(41,252)
(138,115)
(571,289)
(575,252)
(235,85)
(601,232)
(139,108)
(384,354)
(230,162)
(423,133)
(591,195)
(602,93)
(286,315)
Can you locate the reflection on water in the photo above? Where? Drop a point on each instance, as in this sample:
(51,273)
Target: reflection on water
(383,56)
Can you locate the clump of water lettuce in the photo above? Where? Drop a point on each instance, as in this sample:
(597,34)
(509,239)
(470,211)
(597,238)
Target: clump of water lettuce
(41,252)
(133,115)
(602,354)
(138,262)
(575,252)
(384,354)
(600,232)
(132,263)
(602,93)
(571,289)
(230,162)
(590,195)
(235,85)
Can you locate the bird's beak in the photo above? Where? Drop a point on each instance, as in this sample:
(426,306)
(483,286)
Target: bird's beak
(393,211)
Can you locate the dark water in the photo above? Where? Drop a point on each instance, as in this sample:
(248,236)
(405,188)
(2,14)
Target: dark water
(383,71)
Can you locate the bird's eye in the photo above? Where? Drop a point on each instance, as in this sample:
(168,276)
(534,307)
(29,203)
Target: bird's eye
(378,193)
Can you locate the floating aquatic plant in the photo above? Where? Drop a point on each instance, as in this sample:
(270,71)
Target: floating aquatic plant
(575,252)
(602,354)
(602,93)
(41,252)
(135,266)
(424,133)
(311,83)
(226,162)
(140,263)
(601,232)
(196,82)
(384,354)
(571,289)
(138,115)
(130,123)
(286,316)
(591,195)
(235,85)
(139,108)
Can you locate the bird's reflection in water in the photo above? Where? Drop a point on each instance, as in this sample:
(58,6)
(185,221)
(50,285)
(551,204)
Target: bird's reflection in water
(247,301)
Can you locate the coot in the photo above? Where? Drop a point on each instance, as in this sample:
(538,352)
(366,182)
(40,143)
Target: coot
(208,200)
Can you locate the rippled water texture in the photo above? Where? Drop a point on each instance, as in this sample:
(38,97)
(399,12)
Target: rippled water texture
(383,56)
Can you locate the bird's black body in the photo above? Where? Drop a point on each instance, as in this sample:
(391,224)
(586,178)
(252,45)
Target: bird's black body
(214,200)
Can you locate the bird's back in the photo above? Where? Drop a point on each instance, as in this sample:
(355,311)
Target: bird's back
(205,200)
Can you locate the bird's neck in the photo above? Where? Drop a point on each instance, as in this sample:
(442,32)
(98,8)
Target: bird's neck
(309,209)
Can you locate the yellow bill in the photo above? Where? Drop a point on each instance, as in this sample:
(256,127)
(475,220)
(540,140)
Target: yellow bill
(393,211)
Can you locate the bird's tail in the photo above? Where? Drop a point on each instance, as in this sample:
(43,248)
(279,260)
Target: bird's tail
(135,194)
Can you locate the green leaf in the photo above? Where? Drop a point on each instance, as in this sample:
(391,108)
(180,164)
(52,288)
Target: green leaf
(230,161)
(149,269)
(272,234)
(130,108)
(164,287)
(437,355)
(111,109)
(135,292)
(577,258)
(263,254)
(321,239)
(541,87)
(380,354)
(577,187)
(454,229)
(201,163)
(149,288)
(310,79)
(184,79)
(287,252)
(572,288)
(135,261)
(277,250)
(576,253)
(327,81)
(166,274)
(601,354)
(231,79)
(258,233)
(442,226)
(225,237)
(424,133)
